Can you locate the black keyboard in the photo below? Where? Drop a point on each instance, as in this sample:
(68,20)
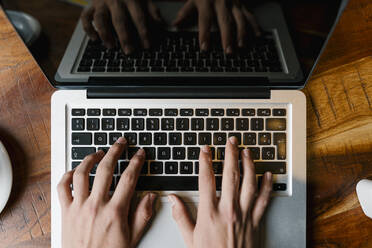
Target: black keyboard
(172,138)
(180,52)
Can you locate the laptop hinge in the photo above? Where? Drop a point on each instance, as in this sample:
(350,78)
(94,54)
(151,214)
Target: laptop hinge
(179,92)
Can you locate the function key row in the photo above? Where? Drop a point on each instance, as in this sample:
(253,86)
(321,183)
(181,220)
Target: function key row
(181,112)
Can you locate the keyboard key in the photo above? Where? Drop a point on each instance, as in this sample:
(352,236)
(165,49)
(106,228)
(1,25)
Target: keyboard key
(212,124)
(77,112)
(197,124)
(257,124)
(81,138)
(145,168)
(280,141)
(189,139)
(227,124)
(75,164)
(263,112)
(179,153)
(249,138)
(264,139)
(238,136)
(122,166)
(275,124)
(100,138)
(150,153)
(81,152)
(108,124)
(113,137)
(220,153)
(193,153)
(109,112)
(91,180)
(145,138)
(273,167)
(104,149)
(138,124)
(255,153)
(202,112)
(279,187)
(182,124)
(167,124)
(132,151)
(155,112)
(186,167)
(232,112)
(242,124)
(156,167)
(268,153)
(77,124)
(205,139)
(124,112)
(196,166)
(177,183)
(152,124)
(175,138)
(279,112)
(94,112)
(92,124)
(140,112)
(186,112)
(171,112)
(219,138)
(171,168)
(217,167)
(217,112)
(160,138)
(248,112)
(122,123)
(131,138)
(164,153)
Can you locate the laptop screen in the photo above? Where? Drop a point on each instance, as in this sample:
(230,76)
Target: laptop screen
(254,43)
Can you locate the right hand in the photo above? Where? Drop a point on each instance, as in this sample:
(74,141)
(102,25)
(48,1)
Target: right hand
(231,220)
(108,14)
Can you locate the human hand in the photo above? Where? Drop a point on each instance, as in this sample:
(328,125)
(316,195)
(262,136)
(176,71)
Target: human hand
(228,13)
(113,14)
(232,219)
(95,219)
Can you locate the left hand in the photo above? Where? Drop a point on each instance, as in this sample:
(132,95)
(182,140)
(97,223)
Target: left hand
(95,220)
(228,13)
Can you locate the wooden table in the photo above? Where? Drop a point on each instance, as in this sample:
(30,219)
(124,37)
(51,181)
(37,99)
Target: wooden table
(339,131)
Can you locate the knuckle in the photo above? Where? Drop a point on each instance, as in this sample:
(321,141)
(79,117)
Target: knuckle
(92,208)
(136,160)
(129,178)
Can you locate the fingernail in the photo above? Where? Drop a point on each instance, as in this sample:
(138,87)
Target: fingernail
(241,43)
(205,149)
(268,176)
(100,152)
(204,46)
(233,140)
(171,200)
(121,140)
(146,44)
(246,153)
(152,198)
(228,50)
(127,49)
(140,152)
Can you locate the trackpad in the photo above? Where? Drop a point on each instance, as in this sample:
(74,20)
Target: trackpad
(163,230)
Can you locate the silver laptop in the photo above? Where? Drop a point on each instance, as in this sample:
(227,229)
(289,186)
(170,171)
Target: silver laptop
(172,109)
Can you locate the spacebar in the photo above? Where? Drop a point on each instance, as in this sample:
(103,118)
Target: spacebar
(179,183)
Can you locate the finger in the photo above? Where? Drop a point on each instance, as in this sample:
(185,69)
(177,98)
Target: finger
(262,199)
(204,25)
(240,25)
(207,184)
(81,175)
(182,217)
(86,20)
(64,189)
(154,11)
(231,174)
(141,218)
(105,170)
(248,188)
(224,20)
(138,17)
(184,12)
(102,23)
(120,22)
(128,180)
(252,21)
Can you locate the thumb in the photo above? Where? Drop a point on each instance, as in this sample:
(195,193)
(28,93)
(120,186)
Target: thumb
(182,218)
(142,217)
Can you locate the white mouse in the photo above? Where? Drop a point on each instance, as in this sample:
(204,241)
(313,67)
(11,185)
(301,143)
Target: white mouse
(364,192)
(6,177)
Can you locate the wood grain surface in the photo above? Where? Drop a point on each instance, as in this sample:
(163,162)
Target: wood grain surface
(339,130)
